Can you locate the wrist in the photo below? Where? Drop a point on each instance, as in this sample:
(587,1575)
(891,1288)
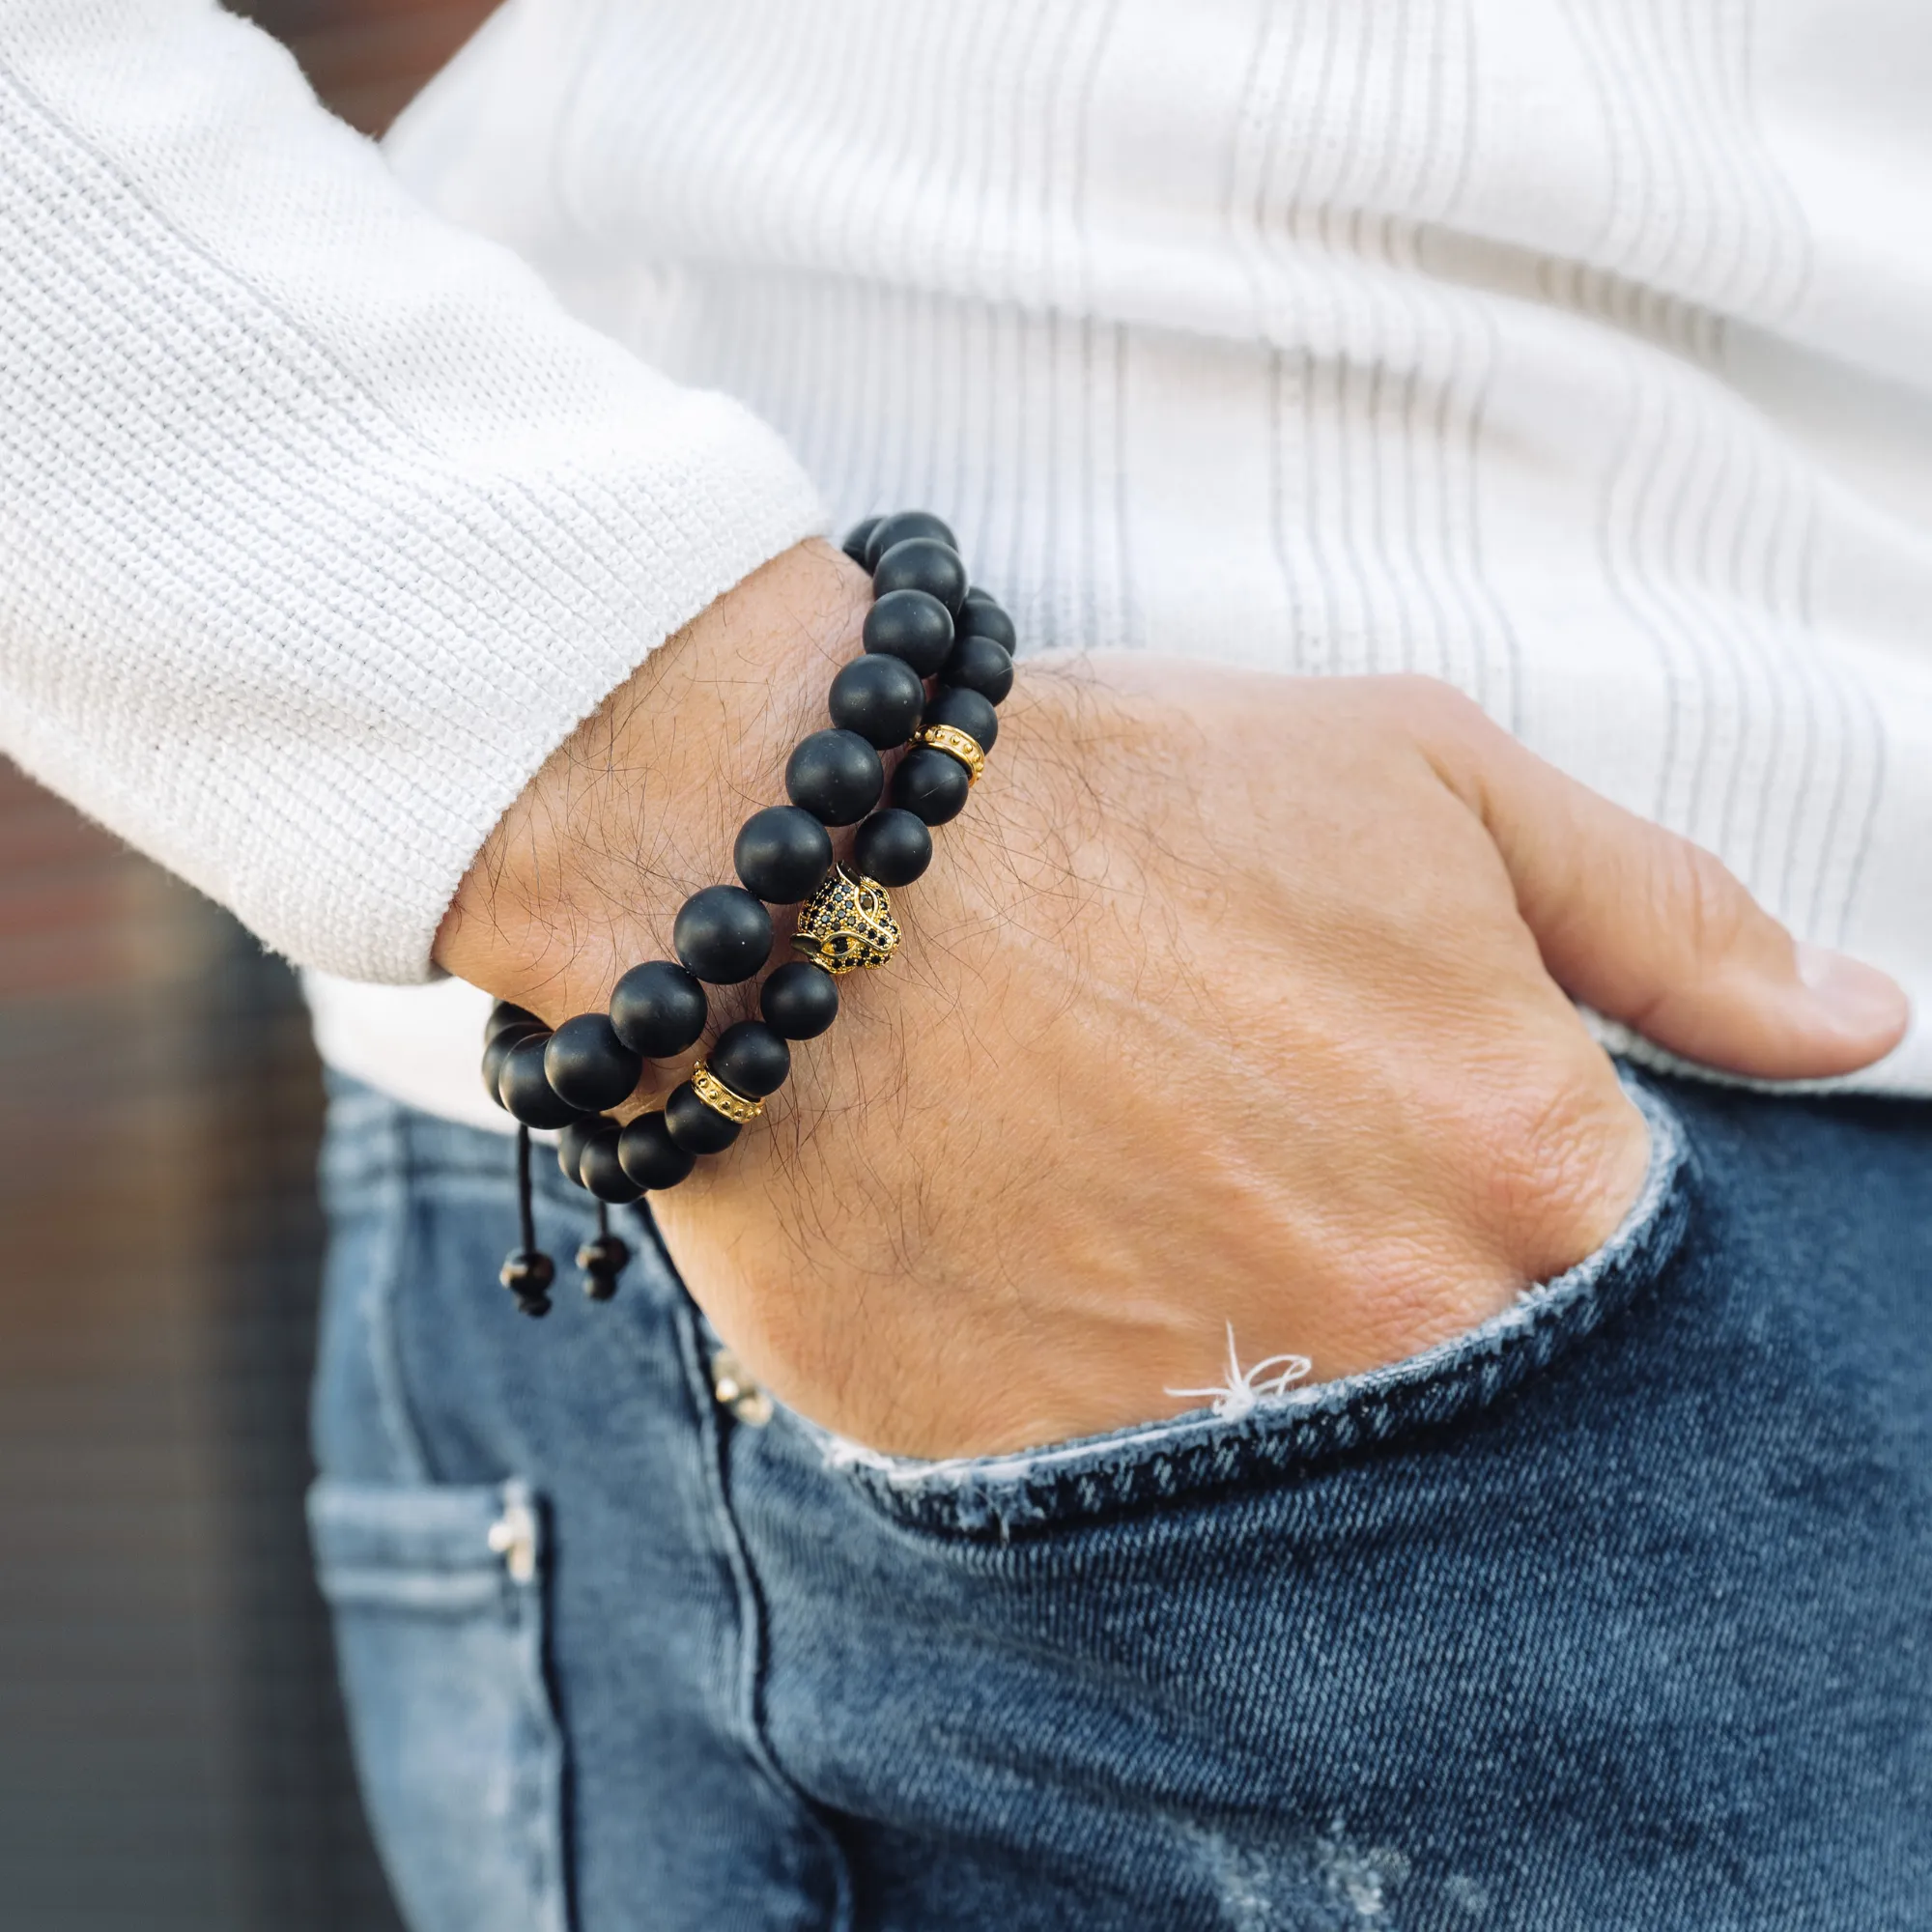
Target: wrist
(585,874)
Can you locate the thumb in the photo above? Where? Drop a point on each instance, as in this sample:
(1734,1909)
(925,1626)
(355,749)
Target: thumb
(1653,931)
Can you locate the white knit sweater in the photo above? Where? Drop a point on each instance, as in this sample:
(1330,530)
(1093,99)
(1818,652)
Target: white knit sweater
(1573,351)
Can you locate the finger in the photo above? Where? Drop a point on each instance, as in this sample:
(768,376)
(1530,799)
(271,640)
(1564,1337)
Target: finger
(1653,931)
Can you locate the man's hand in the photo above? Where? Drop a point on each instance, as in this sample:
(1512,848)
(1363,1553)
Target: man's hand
(1230,999)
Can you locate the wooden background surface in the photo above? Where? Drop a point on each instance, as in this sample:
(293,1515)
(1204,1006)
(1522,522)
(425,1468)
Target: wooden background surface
(170,1752)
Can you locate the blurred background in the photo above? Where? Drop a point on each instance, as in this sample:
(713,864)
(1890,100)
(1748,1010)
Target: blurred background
(171,1751)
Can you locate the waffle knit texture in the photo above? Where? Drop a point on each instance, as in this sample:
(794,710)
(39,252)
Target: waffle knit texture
(321,523)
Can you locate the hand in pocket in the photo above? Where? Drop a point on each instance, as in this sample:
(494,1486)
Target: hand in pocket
(1231,999)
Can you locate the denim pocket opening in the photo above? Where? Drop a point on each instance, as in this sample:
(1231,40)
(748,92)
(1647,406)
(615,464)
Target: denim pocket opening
(1097,1478)
(437,1593)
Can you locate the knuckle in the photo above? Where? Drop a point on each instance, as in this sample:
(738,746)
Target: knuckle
(1709,906)
(1427,704)
(1563,1158)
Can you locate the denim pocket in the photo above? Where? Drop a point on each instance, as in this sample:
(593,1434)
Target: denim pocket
(437,1593)
(1184,1457)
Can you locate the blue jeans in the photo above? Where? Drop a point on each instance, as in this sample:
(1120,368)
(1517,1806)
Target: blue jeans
(1617,1614)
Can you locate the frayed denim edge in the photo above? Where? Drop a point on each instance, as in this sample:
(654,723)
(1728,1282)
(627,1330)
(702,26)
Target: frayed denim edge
(1180,1453)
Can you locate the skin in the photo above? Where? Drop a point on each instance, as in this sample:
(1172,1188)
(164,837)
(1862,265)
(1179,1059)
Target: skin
(1229,1000)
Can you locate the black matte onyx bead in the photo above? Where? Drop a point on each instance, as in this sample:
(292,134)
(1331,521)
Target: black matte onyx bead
(589,1065)
(911,625)
(893,847)
(504,1016)
(570,1144)
(801,999)
(751,1058)
(879,697)
(601,1172)
(922,564)
(526,1088)
(886,531)
(980,617)
(931,784)
(979,663)
(965,711)
(500,1049)
(781,854)
(658,1010)
(697,1126)
(723,934)
(856,538)
(836,776)
(651,1156)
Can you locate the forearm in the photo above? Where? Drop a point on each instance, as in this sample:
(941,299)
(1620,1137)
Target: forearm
(639,808)
(321,525)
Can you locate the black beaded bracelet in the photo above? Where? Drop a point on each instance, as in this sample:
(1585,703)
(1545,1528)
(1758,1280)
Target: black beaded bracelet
(938,660)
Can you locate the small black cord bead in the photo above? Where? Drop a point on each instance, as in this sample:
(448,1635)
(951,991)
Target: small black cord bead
(600,1170)
(504,1016)
(526,1088)
(570,1142)
(892,846)
(965,711)
(836,776)
(723,934)
(879,697)
(980,617)
(781,854)
(922,564)
(658,1009)
(651,1156)
(931,784)
(911,625)
(605,1250)
(498,1050)
(854,544)
(589,1065)
(526,1271)
(603,1259)
(695,1126)
(896,528)
(801,999)
(751,1058)
(979,663)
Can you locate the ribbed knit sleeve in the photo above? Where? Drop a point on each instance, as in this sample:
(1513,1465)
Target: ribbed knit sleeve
(321,525)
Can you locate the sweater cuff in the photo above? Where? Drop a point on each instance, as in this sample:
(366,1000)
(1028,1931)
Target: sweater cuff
(323,524)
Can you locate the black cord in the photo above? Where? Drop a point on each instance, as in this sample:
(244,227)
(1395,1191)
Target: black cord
(525,1206)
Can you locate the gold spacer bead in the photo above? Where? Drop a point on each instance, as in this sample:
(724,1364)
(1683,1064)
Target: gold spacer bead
(721,1099)
(961,744)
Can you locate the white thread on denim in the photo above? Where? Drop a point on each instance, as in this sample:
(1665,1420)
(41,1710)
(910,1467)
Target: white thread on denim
(1237,1396)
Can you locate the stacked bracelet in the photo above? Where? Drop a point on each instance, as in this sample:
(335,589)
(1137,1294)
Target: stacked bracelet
(938,660)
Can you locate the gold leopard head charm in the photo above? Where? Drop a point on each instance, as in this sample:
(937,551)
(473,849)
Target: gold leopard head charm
(847,922)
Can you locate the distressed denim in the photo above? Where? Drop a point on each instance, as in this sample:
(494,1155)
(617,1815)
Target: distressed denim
(1615,1614)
